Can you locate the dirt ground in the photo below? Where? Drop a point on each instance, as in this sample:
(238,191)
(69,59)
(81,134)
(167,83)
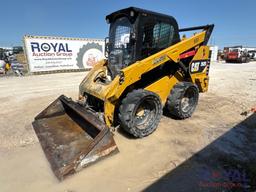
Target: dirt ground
(216,138)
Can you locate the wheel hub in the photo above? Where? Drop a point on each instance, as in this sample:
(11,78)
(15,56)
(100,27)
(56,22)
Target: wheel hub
(140,112)
(188,100)
(144,114)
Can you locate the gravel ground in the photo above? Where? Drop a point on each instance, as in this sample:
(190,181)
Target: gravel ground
(215,130)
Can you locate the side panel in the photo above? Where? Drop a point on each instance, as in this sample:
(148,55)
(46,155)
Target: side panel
(163,86)
(199,68)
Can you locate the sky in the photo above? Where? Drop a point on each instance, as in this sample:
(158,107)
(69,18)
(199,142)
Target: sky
(235,20)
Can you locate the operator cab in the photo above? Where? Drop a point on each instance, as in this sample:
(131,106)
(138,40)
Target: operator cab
(136,34)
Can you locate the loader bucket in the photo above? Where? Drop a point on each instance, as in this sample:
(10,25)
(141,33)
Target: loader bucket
(72,137)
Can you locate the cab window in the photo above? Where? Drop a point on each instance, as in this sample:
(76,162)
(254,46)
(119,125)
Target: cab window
(156,36)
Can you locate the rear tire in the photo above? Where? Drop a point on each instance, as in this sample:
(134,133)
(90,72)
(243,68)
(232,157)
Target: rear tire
(182,100)
(140,112)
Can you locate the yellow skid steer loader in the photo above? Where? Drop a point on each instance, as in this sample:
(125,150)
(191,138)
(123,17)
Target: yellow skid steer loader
(148,68)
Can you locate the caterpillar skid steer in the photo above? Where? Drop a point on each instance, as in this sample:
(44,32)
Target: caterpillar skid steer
(148,68)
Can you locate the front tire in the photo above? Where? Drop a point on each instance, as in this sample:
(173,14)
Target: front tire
(182,100)
(140,112)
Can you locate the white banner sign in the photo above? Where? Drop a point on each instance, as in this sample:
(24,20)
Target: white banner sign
(56,53)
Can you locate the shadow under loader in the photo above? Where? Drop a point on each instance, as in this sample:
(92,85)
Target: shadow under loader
(227,164)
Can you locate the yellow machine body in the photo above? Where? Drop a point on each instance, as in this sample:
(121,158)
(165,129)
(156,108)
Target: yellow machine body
(148,67)
(111,92)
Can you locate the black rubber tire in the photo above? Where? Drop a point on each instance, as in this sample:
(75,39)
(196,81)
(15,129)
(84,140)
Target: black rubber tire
(129,108)
(175,99)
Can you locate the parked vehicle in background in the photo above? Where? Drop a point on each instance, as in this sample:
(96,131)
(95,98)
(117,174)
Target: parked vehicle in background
(2,62)
(252,54)
(2,66)
(237,55)
(9,64)
(9,52)
(17,49)
(1,53)
(16,67)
